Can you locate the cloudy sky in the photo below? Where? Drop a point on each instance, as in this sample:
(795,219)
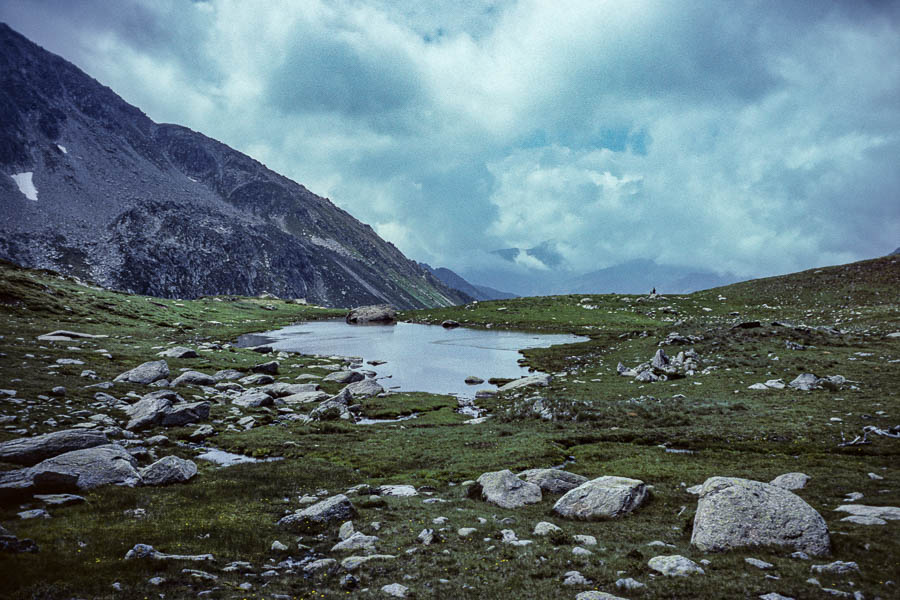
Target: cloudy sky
(749,137)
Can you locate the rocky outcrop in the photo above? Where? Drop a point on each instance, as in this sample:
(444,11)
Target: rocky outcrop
(602,498)
(735,513)
(32,450)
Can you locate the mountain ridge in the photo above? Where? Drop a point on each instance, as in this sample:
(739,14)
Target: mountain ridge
(162,210)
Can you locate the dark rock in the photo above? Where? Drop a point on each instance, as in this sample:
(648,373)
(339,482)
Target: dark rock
(269,368)
(30,451)
(378,313)
(450,324)
(146,373)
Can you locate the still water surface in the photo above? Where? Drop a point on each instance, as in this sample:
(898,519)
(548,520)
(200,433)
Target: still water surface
(418,358)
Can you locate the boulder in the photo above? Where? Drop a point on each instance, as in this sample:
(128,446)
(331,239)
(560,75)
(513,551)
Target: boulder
(333,408)
(735,513)
(545,528)
(529,381)
(280,389)
(364,389)
(508,491)
(178,352)
(32,450)
(253,399)
(145,373)
(169,469)
(335,508)
(450,324)
(185,414)
(378,313)
(791,481)
(674,566)
(344,377)
(267,368)
(356,541)
(147,412)
(805,382)
(100,465)
(194,378)
(602,498)
(554,481)
(305,398)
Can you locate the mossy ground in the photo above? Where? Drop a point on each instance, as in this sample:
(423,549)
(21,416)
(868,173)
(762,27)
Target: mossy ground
(604,425)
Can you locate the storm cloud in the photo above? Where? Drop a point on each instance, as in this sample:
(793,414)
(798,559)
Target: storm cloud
(754,138)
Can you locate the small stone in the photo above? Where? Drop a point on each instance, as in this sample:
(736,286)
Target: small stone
(346,530)
(586,540)
(37,513)
(629,584)
(791,481)
(873,476)
(466,531)
(674,566)
(837,567)
(59,391)
(395,589)
(759,564)
(579,551)
(545,528)
(575,578)
(278,547)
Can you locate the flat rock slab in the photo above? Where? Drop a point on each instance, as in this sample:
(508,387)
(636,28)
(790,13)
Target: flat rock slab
(32,450)
(194,378)
(62,335)
(595,595)
(529,381)
(146,551)
(736,513)
(887,513)
(335,508)
(178,352)
(554,481)
(602,498)
(101,465)
(508,491)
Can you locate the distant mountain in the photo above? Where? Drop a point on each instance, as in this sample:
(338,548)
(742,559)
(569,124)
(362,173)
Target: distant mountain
(642,275)
(478,292)
(90,186)
(897,251)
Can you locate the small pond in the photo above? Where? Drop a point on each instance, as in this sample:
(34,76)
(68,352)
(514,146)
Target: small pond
(417,358)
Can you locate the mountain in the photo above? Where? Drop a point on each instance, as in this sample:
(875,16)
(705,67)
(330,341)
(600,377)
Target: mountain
(897,251)
(642,275)
(478,292)
(92,187)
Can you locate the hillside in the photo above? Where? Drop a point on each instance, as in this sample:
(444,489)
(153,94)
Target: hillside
(734,414)
(92,187)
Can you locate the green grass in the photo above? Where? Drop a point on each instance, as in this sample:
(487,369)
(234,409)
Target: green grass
(602,424)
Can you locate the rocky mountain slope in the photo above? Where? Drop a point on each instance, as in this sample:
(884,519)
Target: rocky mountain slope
(92,187)
(457,282)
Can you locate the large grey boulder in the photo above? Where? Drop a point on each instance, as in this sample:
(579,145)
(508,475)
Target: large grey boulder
(280,389)
(147,412)
(602,498)
(529,381)
(194,378)
(253,399)
(305,398)
(101,465)
(364,389)
(378,313)
(32,450)
(508,491)
(169,469)
(735,513)
(335,508)
(554,481)
(344,377)
(146,373)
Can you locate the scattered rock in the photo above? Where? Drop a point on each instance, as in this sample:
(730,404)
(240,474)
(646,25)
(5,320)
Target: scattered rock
(168,470)
(364,389)
(674,566)
(450,324)
(194,378)
(93,467)
(403,491)
(759,564)
(473,380)
(575,578)
(395,589)
(344,377)
(145,373)
(59,499)
(545,528)
(178,352)
(837,567)
(508,491)
(267,368)
(887,513)
(144,551)
(319,565)
(595,595)
(279,547)
(357,541)
(791,481)
(529,381)
(554,481)
(602,498)
(351,563)
(335,508)
(32,450)
(734,513)
(629,584)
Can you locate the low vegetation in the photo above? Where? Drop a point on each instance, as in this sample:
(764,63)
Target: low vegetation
(671,434)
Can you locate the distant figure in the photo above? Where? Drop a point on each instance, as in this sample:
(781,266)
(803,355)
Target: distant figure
(653,292)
